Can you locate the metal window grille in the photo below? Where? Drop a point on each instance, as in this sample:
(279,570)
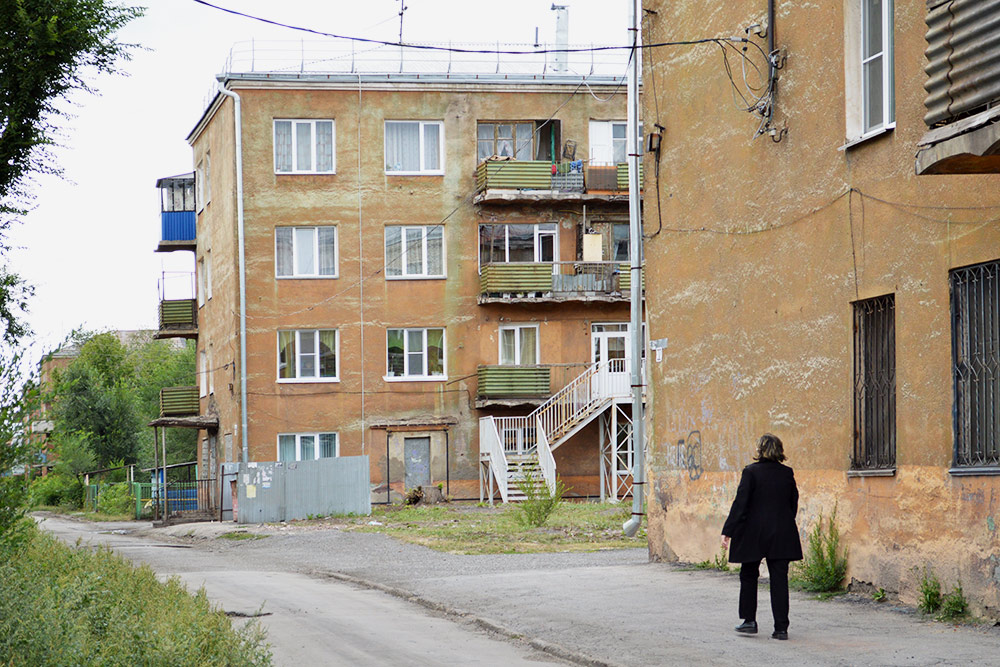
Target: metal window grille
(975,345)
(874,384)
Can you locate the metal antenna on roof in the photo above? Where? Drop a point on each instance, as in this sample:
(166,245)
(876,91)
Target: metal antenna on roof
(302,55)
(402,8)
(498,57)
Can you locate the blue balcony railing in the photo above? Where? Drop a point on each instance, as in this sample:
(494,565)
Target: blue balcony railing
(177,225)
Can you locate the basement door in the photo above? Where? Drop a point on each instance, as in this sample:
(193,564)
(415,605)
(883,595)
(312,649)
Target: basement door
(417,459)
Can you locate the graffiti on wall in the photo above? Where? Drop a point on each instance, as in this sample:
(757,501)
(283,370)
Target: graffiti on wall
(688,455)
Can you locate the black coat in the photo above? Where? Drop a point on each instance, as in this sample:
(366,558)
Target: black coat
(761,522)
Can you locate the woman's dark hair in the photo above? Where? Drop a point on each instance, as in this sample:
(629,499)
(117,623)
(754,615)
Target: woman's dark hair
(769,448)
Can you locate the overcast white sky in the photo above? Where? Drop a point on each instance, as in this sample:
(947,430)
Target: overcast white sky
(88,245)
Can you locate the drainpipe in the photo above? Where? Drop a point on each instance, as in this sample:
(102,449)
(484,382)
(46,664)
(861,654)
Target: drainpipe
(631,527)
(238,122)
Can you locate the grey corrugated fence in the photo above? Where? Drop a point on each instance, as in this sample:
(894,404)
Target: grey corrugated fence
(280,491)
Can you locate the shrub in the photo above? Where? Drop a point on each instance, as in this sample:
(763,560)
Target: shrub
(824,566)
(115,499)
(414,496)
(58,491)
(954,605)
(930,593)
(539,503)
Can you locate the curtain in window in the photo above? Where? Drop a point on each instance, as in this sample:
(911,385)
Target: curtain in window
(283,250)
(303,146)
(282,145)
(286,447)
(528,345)
(328,353)
(415,251)
(415,352)
(324,145)
(307,447)
(307,354)
(393,251)
(327,445)
(432,147)
(521,243)
(491,244)
(435,352)
(327,250)
(484,139)
(435,251)
(524,135)
(286,354)
(505,140)
(402,146)
(508,347)
(619,143)
(394,347)
(305,249)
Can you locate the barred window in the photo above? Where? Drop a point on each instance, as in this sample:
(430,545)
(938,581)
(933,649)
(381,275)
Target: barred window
(975,347)
(875,384)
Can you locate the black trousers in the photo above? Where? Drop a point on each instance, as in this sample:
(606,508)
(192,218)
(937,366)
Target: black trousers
(749,573)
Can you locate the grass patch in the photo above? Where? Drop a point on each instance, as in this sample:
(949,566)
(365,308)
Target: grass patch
(65,606)
(466,528)
(238,535)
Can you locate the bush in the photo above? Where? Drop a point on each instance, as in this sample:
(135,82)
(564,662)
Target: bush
(824,566)
(63,606)
(58,491)
(538,504)
(930,593)
(116,499)
(954,605)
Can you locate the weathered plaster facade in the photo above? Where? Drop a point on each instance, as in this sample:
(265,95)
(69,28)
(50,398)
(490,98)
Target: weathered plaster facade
(370,413)
(763,249)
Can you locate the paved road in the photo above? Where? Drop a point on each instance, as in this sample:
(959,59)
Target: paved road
(610,607)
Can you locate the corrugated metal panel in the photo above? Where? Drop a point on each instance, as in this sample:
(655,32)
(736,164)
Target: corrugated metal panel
(177,225)
(623,176)
(178,312)
(626,278)
(514,175)
(508,381)
(963,58)
(179,401)
(515,278)
(282,491)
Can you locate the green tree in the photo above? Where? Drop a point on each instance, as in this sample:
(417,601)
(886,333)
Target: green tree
(17,398)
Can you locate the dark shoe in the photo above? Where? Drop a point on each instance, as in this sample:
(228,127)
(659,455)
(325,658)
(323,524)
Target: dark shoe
(747,627)
(779,634)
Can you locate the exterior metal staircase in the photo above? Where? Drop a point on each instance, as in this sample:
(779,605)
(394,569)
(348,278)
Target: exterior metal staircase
(505,441)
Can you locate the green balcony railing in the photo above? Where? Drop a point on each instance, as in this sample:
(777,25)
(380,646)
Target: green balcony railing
(623,176)
(514,382)
(625,282)
(514,175)
(178,314)
(179,401)
(515,278)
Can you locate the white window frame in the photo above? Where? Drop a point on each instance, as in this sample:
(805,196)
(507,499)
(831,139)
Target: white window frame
(298,445)
(202,295)
(199,184)
(208,370)
(423,249)
(208,275)
(298,356)
(856,96)
(538,233)
(406,351)
(295,254)
(517,329)
(202,373)
(208,178)
(311,122)
(423,149)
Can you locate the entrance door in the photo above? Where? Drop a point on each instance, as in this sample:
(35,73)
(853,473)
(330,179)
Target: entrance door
(610,343)
(417,458)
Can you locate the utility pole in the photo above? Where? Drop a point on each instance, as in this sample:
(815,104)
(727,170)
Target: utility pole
(631,527)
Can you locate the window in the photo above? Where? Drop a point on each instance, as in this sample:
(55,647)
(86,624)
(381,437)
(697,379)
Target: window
(202,373)
(305,252)
(868,69)
(414,252)
(874,384)
(609,141)
(307,446)
(975,345)
(500,243)
(208,275)
(208,370)
(414,147)
(415,354)
(199,184)
(508,139)
(309,355)
(519,345)
(208,178)
(304,147)
(202,282)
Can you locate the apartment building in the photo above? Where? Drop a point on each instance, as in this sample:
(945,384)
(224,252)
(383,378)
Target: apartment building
(401,258)
(813,285)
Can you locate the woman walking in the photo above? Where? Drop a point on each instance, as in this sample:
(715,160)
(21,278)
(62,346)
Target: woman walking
(761,525)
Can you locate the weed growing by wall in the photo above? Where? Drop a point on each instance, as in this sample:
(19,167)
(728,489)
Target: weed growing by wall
(539,503)
(930,593)
(824,564)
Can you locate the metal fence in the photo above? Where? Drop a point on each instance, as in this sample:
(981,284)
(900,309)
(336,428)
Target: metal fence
(285,490)
(874,384)
(975,342)
(181,497)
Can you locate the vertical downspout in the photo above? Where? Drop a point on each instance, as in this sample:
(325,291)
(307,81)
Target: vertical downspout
(238,122)
(361,263)
(447,463)
(631,527)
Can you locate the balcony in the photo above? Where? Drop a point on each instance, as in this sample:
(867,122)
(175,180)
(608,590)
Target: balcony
(963,89)
(512,181)
(178,319)
(512,385)
(177,213)
(536,282)
(179,402)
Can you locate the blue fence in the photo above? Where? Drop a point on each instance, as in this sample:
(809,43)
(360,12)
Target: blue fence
(177,225)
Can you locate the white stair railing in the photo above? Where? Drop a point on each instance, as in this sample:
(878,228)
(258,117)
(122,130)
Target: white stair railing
(546,462)
(576,400)
(491,445)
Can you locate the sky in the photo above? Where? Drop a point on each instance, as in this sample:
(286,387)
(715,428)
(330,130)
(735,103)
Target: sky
(87,246)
